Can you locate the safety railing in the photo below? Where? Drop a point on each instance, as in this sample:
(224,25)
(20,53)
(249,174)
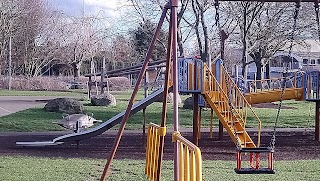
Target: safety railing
(227,91)
(152,151)
(295,80)
(190,160)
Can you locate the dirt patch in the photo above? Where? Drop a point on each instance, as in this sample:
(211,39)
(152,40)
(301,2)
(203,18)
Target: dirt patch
(271,106)
(289,146)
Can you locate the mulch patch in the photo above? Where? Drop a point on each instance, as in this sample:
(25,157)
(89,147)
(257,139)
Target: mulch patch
(289,146)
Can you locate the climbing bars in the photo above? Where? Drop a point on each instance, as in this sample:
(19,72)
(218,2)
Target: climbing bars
(152,152)
(190,160)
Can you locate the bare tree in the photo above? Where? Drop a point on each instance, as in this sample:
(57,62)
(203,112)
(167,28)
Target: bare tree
(264,29)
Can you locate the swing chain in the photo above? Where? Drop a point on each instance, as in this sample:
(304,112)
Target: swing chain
(273,139)
(217,19)
(283,86)
(295,16)
(217,16)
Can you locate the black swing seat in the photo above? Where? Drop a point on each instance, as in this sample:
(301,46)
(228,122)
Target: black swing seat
(257,170)
(256,150)
(254,171)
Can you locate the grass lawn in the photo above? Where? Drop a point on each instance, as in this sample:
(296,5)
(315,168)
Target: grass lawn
(36,119)
(32,168)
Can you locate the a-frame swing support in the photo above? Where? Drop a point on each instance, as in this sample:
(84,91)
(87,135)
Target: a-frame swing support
(172,50)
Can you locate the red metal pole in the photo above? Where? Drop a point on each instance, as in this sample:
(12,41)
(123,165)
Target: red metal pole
(133,97)
(238,160)
(174,6)
(195,106)
(165,98)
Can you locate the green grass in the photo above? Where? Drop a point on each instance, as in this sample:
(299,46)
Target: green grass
(300,117)
(36,119)
(58,169)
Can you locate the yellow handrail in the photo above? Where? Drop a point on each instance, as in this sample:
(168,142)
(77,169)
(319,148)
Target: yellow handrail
(240,105)
(190,160)
(152,151)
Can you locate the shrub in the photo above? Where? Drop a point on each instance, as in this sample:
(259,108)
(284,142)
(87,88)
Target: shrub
(58,83)
(32,83)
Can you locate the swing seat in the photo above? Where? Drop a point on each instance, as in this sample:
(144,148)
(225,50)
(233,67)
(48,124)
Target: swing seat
(254,171)
(255,168)
(256,150)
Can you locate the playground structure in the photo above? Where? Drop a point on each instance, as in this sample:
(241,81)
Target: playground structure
(153,68)
(219,90)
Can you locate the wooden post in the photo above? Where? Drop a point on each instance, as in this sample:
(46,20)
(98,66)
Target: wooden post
(199,124)
(144,110)
(317,122)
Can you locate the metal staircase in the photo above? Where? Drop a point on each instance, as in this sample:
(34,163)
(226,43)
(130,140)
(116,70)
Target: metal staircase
(231,107)
(224,97)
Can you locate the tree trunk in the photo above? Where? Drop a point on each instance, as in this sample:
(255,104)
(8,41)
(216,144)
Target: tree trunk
(243,72)
(258,75)
(180,44)
(259,69)
(76,70)
(267,71)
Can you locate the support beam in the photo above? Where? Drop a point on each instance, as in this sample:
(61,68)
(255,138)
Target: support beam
(165,98)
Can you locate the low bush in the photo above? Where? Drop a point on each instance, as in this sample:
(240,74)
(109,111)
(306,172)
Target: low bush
(33,83)
(58,83)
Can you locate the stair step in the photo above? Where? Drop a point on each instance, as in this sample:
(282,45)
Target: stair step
(225,112)
(230,122)
(240,132)
(247,142)
(217,102)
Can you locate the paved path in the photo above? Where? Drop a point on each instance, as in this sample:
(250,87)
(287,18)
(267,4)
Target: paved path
(12,104)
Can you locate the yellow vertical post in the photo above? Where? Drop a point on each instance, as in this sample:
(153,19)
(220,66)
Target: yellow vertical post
(192,166)
(181,160)
(186,164)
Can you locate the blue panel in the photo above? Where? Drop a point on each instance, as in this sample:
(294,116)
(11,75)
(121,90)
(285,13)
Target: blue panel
(183,75)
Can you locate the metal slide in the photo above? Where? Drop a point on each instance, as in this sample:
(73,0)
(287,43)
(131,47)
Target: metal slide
(99,129)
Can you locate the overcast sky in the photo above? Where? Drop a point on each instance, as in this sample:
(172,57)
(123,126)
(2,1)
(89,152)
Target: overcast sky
(76,7)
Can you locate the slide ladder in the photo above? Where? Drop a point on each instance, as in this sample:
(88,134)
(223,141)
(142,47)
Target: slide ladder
(224,97)
(231,107)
